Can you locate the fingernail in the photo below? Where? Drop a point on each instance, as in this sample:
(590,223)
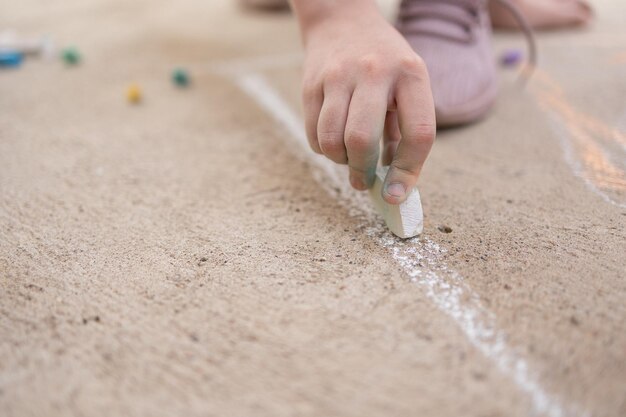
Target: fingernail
(585,6)
(396,189)
(357,183)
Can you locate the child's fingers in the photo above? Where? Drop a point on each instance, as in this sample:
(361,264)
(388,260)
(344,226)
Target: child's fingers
(312,98)
(416,118)
(364,129)
(332,123)
(391,138)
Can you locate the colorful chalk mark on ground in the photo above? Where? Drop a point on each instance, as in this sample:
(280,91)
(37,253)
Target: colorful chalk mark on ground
(595,151)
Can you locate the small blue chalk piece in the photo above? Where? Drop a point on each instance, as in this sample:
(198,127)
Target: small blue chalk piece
(511,57)
(10,58)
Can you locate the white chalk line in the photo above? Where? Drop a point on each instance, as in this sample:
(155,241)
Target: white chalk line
(621,123)
(420,258)
(241,66)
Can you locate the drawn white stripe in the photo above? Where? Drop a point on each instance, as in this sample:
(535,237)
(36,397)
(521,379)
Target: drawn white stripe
(621,124)
(420,258)
(242,66)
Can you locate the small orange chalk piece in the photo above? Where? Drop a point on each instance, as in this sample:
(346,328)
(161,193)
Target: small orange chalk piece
(133,94)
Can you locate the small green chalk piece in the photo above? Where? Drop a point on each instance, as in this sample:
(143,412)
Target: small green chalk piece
(71,56)
(180,77)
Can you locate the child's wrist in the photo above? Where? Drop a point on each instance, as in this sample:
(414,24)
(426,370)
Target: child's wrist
(320,14)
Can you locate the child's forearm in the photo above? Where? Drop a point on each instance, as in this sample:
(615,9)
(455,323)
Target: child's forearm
(311,13)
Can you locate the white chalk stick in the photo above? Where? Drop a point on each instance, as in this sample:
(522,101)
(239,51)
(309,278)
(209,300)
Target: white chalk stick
(41,46)
(404,220)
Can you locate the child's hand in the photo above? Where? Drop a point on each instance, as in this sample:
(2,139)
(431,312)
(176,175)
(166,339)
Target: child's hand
(362,81)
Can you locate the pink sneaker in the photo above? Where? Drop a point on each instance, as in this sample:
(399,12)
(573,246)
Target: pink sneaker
(265,4)
(542,14)
(453,37)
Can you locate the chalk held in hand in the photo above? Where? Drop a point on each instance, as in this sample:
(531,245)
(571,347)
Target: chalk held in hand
(404,220)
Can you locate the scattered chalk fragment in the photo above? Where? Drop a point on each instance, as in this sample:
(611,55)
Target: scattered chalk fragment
(10,59)
(511,57)
(43,46)
(71,56)
(403,220)
(180,77)
(133,94)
